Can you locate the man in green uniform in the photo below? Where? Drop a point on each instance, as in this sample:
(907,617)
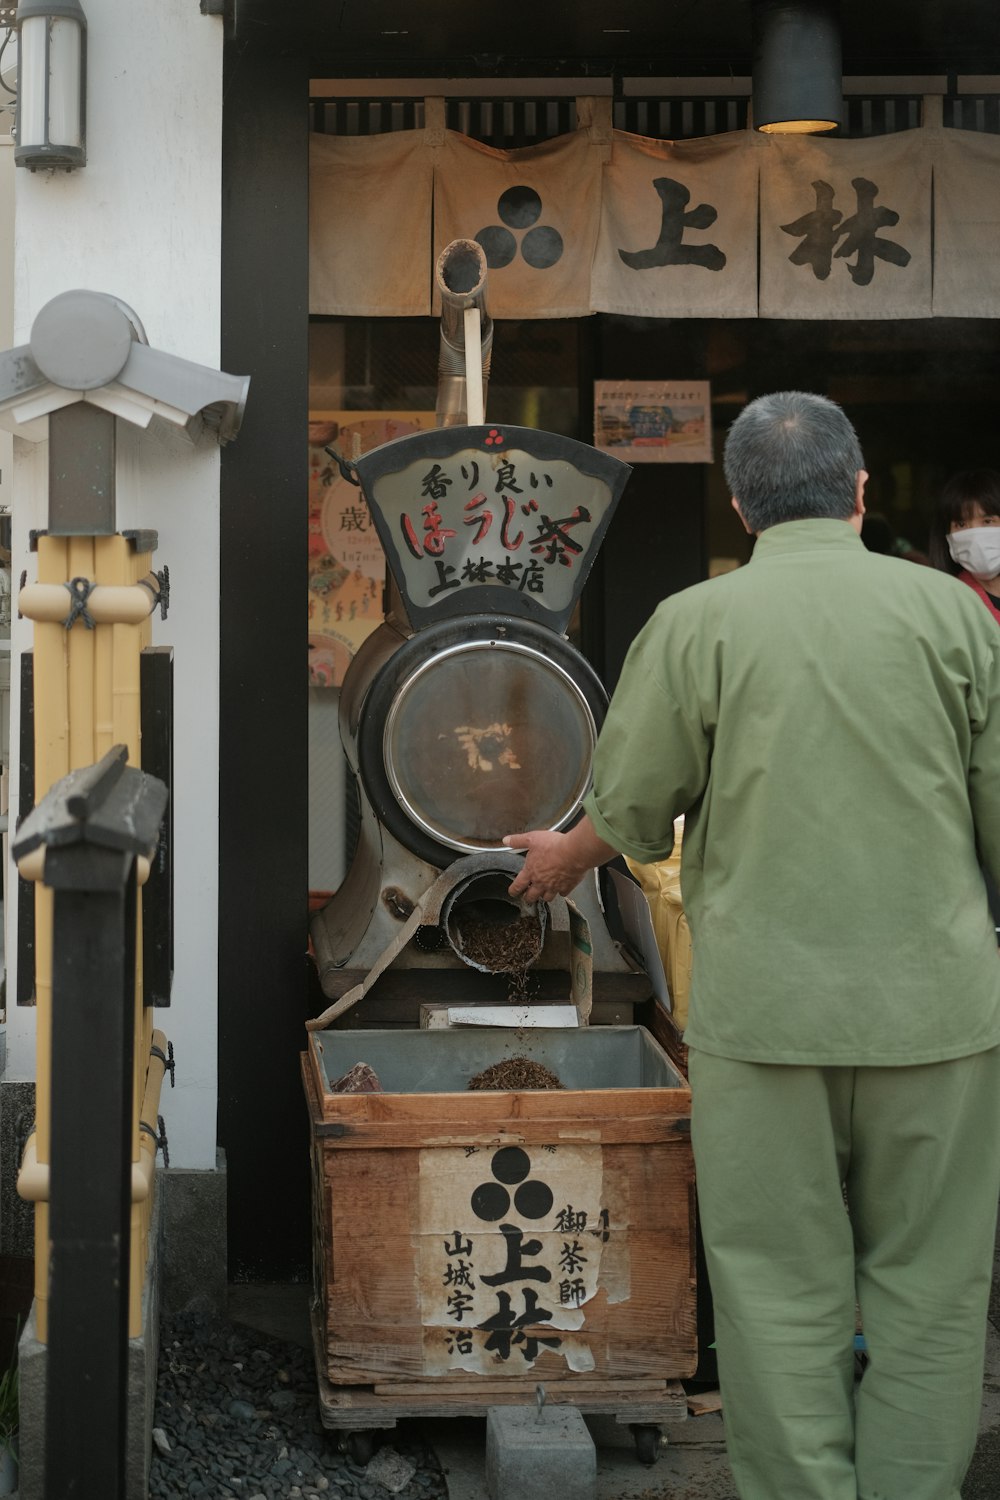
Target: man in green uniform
(828,720)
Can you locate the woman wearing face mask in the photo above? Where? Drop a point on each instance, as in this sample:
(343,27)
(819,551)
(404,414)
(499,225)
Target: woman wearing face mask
(965,539)
(965,533)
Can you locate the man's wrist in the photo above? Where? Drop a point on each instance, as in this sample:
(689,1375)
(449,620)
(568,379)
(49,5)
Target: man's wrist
(586,847)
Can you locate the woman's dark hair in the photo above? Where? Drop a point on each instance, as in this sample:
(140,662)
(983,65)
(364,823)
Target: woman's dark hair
(960,492)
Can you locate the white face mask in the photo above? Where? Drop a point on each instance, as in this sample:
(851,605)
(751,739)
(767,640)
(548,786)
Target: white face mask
(977,550)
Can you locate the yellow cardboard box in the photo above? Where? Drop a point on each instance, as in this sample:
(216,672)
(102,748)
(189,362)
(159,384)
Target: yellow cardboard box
(661,885)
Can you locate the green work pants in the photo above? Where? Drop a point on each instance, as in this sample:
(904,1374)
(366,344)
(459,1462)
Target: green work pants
(917,1151)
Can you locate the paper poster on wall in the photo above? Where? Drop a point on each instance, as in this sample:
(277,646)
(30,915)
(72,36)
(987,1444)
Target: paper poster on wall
(654,421)
(346,561)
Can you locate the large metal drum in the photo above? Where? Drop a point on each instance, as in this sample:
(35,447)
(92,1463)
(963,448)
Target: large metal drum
(476,728)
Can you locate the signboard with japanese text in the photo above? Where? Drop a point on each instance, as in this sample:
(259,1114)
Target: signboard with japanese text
(654,421)
(481,519)
(620,223)
(535,1246)
(346,561)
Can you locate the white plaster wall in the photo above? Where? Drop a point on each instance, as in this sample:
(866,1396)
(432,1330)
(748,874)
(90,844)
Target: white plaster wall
(6,440)
(142,221)
(6,279)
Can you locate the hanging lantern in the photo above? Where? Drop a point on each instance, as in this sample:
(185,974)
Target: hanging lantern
(52,85)
(797,82)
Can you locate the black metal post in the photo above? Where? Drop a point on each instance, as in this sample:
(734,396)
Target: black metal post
(92,825)
(82,441)
(90,1191)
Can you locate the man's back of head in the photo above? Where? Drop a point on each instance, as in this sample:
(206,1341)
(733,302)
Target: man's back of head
(792,456)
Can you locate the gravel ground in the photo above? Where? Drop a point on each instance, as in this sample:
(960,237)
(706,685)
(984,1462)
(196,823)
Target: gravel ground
(237,1415)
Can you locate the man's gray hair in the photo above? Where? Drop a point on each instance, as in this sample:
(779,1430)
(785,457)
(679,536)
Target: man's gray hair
(792,456)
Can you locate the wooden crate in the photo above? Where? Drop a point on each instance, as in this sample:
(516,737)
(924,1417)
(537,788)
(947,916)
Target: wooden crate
(465,1240)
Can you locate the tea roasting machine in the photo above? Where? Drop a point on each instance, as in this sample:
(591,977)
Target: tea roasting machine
(468,714)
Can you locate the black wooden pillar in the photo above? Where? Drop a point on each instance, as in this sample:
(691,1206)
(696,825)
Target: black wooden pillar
(91,826)
(263,752)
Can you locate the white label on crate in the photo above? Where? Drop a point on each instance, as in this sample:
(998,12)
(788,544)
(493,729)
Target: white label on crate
(513,1243)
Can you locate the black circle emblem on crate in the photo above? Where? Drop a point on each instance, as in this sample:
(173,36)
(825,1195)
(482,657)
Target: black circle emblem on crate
(510,1166)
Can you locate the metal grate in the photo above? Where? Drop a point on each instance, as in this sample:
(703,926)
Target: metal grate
(509,124)
(881,115)
(680,119)
(974,112)
(504,123)
(365,116)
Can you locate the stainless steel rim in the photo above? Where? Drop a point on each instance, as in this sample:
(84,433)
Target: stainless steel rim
(392,717)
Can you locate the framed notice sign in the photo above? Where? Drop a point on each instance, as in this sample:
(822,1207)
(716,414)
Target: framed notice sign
(654,421)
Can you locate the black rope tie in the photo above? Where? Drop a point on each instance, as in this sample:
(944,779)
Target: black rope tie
(168,1060)
(347,470)
(159,1136)
(159,590)
(80,590)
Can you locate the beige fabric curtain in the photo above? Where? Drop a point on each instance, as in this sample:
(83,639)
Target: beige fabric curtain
(603,221)
(678,232)
(535,212)
(845,226)
(370,224)
(967,225)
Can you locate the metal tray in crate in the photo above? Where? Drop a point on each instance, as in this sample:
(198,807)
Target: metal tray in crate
(431,1062)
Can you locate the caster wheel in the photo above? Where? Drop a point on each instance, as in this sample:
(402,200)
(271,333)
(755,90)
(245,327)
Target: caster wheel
(360,1447)
(647,1444)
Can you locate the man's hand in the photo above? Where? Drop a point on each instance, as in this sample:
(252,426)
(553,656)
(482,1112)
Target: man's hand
(547,872)
(556,862)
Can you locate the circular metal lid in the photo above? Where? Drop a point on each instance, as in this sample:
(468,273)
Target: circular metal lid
(488,738)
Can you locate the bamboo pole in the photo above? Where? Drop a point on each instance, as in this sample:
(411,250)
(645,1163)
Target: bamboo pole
(51,764)
(104,729)
(106,604)
(80,661)
(119,560)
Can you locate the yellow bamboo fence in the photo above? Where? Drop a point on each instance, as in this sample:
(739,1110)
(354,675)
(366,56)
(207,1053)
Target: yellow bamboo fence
(86,699)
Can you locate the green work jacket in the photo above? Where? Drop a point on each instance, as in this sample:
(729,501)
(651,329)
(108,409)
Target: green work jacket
(828,719)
